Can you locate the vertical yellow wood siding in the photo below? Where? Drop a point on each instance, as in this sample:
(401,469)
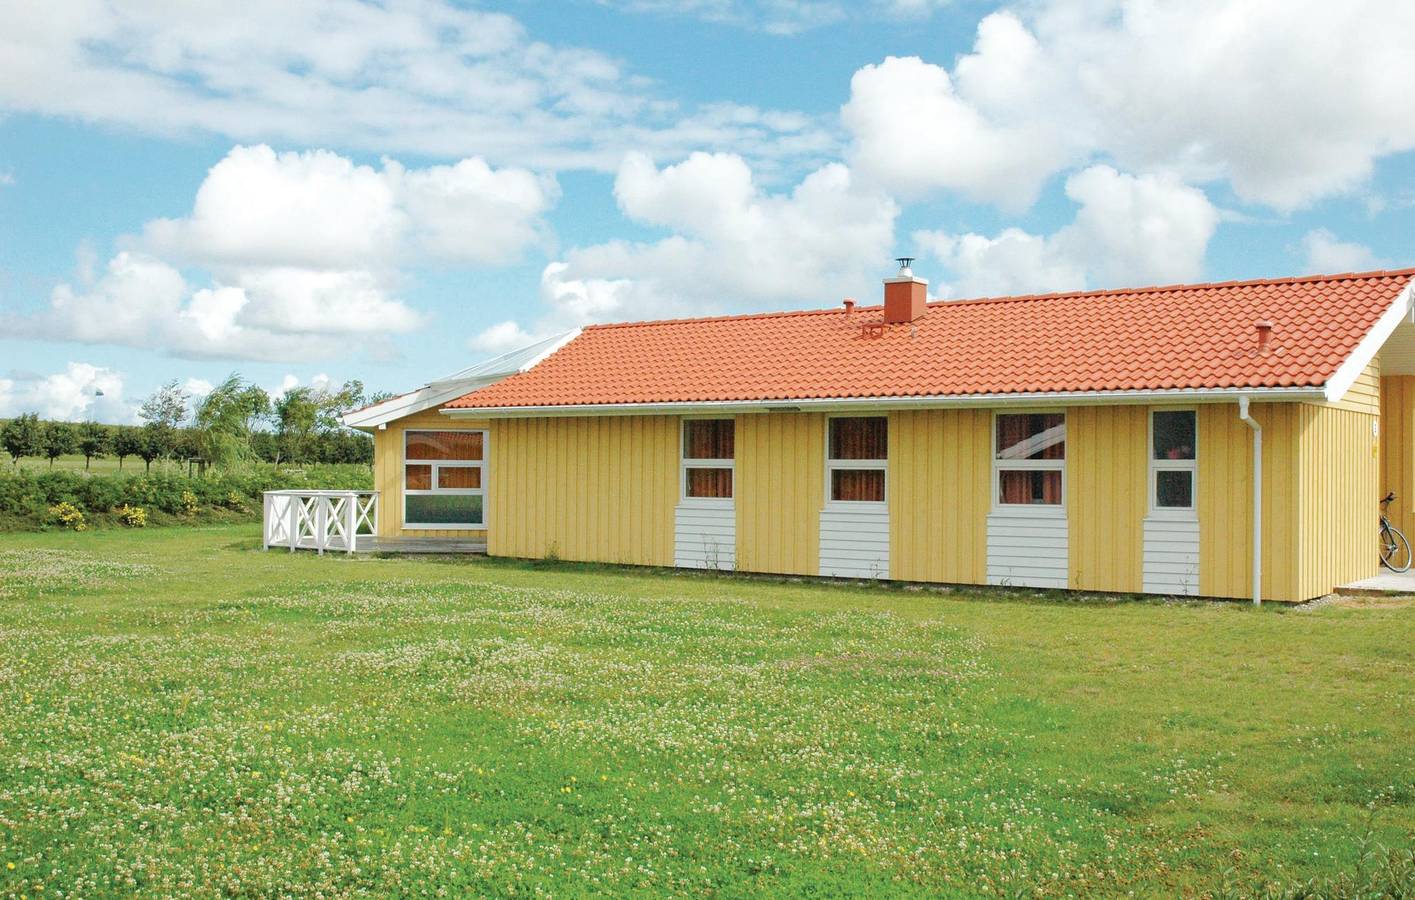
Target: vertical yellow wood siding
(1226,501)
(940,476)
(388,474)
(780,489)
(1397,455)
(1107,466)
(1339,472)
(599,488)
(605,489)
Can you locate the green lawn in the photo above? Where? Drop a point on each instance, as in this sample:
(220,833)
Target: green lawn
(186,714)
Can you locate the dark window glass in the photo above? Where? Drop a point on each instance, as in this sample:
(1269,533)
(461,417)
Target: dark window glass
(463,445)
(1031,436)
(864,485)
(1174,434)
(712,483)
(418,478)
(1174,490)
(859,438)
(708,439)
(1040,487)
(444,509)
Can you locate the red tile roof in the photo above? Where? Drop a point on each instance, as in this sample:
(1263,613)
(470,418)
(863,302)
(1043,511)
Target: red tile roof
(1158,338)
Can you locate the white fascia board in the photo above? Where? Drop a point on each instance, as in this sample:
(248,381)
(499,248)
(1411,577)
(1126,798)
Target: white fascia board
(443,390)
(1039,399)
(1350,370)
(423,398)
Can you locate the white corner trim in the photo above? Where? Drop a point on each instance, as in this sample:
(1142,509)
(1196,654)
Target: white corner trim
(1347,373)
(539,358)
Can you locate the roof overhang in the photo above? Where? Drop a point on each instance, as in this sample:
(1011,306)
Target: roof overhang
(1401,309)
(1177,396)
(458,384)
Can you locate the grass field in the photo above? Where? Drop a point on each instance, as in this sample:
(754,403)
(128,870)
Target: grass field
(184,714)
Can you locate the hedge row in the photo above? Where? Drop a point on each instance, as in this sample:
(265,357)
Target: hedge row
(27,496)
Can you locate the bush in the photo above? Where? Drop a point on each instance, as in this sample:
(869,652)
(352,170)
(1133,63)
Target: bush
(27,496)
(132,516)
(69,516)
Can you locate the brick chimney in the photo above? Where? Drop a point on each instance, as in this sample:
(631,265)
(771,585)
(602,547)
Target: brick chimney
(905,297)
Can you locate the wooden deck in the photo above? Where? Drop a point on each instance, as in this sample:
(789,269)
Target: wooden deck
(370,544)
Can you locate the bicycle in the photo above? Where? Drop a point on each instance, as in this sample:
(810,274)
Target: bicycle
(1395,549)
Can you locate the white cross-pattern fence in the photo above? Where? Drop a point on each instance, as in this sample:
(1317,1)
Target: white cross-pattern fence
(319,520)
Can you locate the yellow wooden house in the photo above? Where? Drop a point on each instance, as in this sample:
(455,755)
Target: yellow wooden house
(1220,440)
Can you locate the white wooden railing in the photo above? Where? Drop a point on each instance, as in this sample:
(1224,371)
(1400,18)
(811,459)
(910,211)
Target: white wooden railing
(319,520)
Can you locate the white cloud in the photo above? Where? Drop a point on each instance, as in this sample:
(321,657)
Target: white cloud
(1128,230)
(144,302)
(734,247)
(320,209)
(1327,254)
(81,391)
(6,178)
(913,134)
(197,388)
(1288,102)
(303,254)
(419,76)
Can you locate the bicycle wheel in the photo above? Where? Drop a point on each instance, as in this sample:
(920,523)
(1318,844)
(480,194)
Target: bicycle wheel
(1395,549)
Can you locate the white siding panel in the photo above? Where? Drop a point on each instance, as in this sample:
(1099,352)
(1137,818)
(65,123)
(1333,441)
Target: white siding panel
(705,537)
(1028,550)
(854,543)
(1171,556)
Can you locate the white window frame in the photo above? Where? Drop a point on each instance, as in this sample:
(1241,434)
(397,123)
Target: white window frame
(1010,465)
(438,464)
(1173,465)
(832,464)
(684,464)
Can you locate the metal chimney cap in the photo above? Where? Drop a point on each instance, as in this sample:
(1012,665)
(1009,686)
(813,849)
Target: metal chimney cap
(904,263)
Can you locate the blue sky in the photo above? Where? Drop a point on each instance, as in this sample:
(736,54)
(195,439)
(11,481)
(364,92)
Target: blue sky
(392,191)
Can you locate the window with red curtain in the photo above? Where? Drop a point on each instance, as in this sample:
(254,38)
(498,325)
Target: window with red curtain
(1030,458)
(858,453)
(709,449)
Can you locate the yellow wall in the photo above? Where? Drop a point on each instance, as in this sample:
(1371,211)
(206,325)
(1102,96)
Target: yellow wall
(1397,455)
(597,488)
(1226,501)
(1338,489)
(940,477)
(388,474)
(605,489)
(1107,496)
(1320,486)
(1364,394)
(780,489)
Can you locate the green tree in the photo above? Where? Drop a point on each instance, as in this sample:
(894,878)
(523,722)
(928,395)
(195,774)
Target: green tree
(22,436)
(94,440)
(127,441)
(153,443)
(226,418)
(59,438)
(163,412)
(297,415)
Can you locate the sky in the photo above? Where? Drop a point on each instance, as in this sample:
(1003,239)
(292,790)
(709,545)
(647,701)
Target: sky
(315,192)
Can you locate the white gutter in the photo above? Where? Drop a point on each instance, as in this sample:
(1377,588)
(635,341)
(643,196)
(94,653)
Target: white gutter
(1040,398)
(1257,499)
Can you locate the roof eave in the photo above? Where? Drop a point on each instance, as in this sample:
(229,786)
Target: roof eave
(831,404)
(1351,368)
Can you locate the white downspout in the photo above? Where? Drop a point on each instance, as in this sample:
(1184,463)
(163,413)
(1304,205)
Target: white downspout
(1257,499)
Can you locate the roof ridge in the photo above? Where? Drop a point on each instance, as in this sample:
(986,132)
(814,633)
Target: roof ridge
(1017,298)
